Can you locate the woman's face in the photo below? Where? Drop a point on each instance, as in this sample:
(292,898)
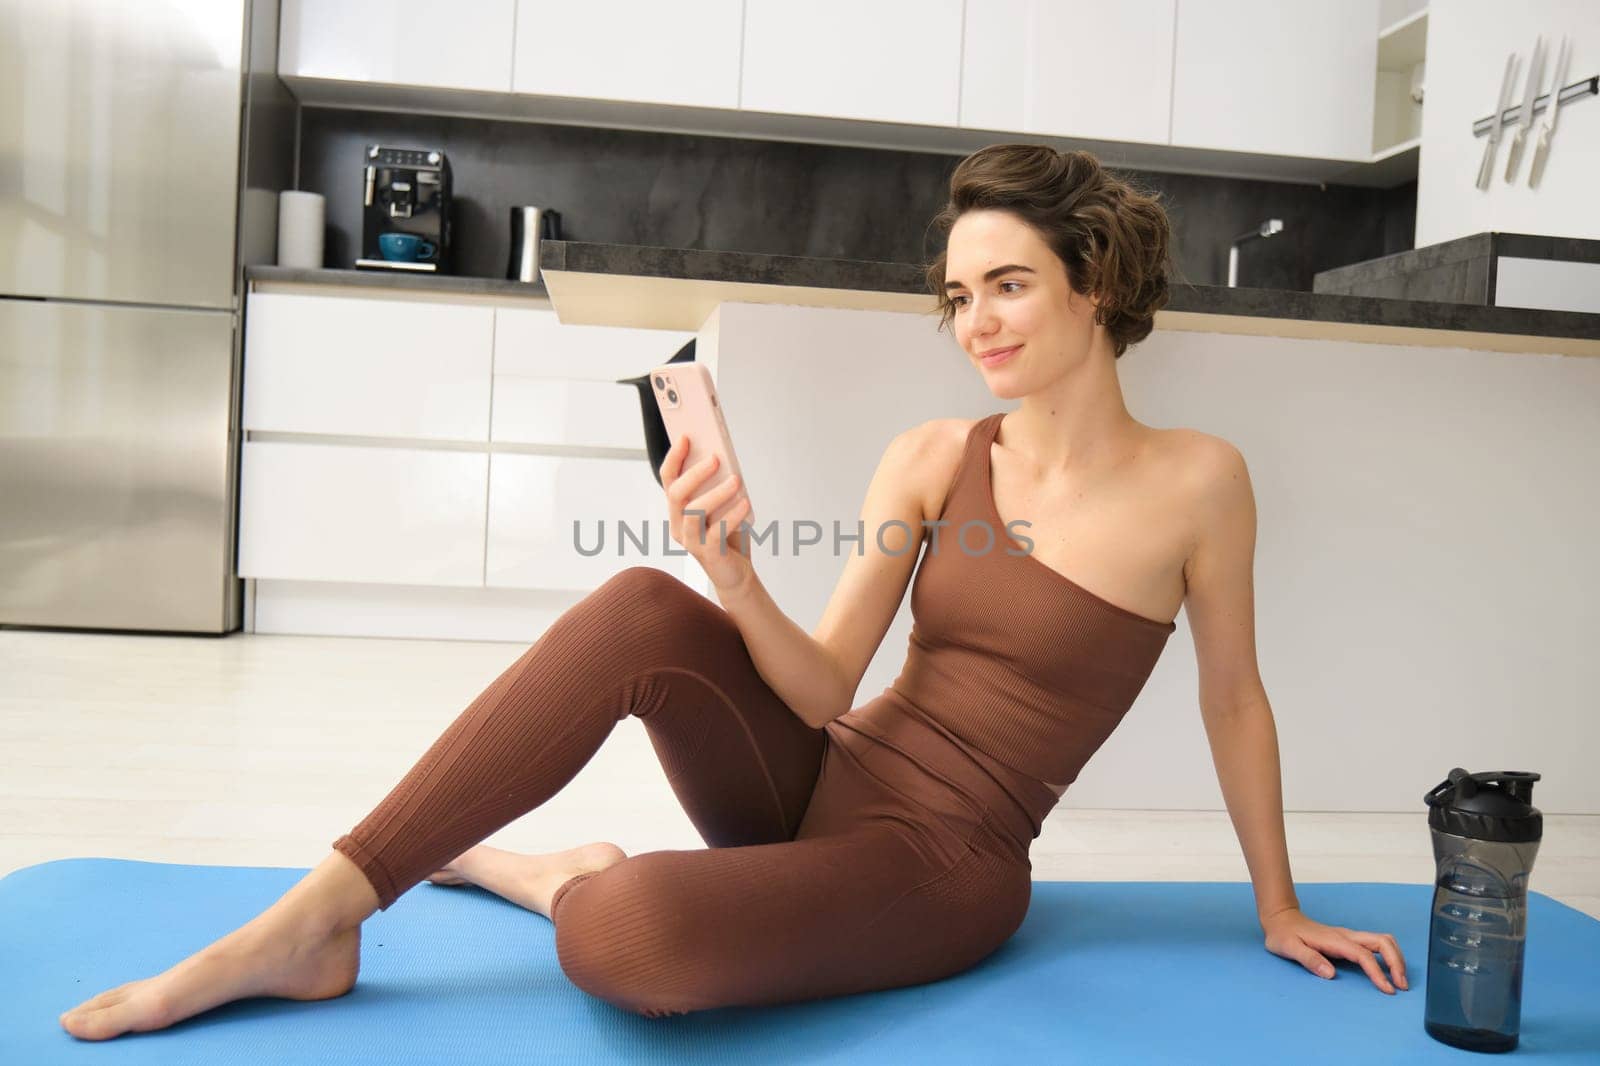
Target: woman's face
(1027,301)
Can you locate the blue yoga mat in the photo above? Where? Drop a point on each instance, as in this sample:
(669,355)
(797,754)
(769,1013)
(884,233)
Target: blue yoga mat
(1100,972)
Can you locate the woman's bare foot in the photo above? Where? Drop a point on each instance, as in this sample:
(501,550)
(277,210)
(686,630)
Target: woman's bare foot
(305,946)
(248,962)
(527,880)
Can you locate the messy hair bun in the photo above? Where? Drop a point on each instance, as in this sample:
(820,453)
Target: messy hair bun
(1112,236)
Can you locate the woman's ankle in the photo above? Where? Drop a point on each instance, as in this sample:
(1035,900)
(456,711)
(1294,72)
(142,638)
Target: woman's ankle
(333,898)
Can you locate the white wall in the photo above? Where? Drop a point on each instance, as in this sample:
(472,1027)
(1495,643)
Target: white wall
(1468,41)
(1425,571)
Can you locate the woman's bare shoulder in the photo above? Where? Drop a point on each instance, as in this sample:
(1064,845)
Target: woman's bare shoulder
(1197,471)
(1197,453)
(940,442)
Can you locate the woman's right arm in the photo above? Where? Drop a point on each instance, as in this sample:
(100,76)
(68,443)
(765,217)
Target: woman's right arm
(817,675)
(795,665)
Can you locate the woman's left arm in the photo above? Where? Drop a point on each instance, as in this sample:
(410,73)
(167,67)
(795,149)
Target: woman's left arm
(1220,604)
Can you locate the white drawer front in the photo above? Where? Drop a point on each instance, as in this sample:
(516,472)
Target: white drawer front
(599,414)
(534,342)
(371,368)
(316,512)
(533,502)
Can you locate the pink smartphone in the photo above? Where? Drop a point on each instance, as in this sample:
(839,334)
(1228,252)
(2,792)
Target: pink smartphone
(687,398)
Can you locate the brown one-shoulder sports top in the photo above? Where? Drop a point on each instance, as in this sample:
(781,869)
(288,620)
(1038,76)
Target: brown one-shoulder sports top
(1026,670)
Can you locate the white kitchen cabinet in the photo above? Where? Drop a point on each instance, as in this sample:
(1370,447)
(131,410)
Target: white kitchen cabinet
(534,501)
(639,50)
(360,367)
(591,414)
(1402,69)
(885,61)
(556,384)
(320,512)
(1070,68)
(533,341)
(414,467)
(464,45)
(1283,77)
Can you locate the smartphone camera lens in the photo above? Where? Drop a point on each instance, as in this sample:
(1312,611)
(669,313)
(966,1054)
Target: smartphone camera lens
(672,396)
(661,382)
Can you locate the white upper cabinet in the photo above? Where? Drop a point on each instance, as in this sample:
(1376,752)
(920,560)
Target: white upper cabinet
(463,45)
(1070,68)
(1283,77)
(886,61)
(641,50)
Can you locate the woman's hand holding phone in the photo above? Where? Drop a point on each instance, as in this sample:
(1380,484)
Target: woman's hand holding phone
(715,537)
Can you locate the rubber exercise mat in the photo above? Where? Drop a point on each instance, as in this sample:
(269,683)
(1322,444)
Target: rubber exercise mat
(1100,972)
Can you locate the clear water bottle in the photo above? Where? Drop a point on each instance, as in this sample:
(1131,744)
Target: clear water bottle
(1486,833)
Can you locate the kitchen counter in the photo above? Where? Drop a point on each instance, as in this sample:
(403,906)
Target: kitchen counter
(1489,268)
(408,283)
(677,288)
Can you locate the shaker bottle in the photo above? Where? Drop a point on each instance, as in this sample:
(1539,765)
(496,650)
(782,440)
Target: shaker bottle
(1486,833)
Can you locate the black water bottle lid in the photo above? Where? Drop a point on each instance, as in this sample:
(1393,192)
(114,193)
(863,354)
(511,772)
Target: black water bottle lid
(1488,805)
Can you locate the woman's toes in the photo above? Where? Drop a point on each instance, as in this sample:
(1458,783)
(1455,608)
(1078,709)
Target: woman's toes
(94,1003)
(85,1024)
(114,1016)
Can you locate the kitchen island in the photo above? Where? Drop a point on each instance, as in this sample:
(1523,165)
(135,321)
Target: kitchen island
(1423,471)
(1423,474)
(678,288)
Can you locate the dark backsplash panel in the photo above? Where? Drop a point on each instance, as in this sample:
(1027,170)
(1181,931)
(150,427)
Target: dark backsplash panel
(728,194)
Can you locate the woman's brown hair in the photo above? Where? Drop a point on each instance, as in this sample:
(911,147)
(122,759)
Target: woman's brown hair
(1112,236)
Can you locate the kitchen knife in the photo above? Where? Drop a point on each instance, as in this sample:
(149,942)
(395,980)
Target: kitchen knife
(1542,151)
(1486,168)
(1535,73)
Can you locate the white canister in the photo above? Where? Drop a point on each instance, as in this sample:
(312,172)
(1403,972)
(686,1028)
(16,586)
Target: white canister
(301,218)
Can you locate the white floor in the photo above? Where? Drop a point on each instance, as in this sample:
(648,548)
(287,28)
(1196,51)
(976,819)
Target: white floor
(260,750)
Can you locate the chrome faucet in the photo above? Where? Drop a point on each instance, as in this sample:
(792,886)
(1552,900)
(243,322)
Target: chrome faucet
(1266,229)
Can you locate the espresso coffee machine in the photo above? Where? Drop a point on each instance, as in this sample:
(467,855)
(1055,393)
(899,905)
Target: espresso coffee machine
(405,215)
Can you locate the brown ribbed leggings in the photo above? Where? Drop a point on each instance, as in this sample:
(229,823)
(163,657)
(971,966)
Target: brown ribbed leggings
(831,868)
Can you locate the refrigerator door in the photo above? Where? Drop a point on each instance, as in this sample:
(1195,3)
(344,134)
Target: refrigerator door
(119,136)
(116,447)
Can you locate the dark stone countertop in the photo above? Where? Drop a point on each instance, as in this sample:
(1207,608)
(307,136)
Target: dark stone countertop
(906,279)
(398,281)
(748,267)
(1465,270)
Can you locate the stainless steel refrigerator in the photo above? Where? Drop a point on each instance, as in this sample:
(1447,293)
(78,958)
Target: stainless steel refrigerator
(142,144)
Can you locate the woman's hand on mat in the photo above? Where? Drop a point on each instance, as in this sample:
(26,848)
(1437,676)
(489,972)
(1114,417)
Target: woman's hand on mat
(715,537)
(1297,938)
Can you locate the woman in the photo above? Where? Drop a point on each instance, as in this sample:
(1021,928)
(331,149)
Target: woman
(885,845)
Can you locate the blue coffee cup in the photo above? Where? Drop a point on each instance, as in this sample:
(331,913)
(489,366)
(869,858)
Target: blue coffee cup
(404,247)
